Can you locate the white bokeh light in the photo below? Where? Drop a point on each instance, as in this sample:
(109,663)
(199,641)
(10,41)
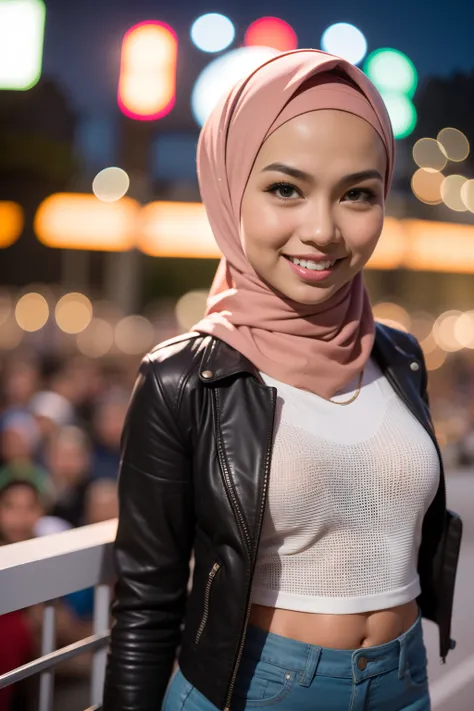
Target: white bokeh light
(346,41)
(111,184)
(212,32)
(220,76)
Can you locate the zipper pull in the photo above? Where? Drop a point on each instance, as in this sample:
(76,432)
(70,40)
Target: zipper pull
(214,570)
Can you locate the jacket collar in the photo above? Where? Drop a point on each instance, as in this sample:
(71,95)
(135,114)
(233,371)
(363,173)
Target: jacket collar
(394,352)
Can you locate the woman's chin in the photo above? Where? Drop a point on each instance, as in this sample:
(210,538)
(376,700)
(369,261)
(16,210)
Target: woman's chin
(309,295)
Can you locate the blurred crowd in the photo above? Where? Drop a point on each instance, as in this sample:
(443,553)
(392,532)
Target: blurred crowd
(60,429)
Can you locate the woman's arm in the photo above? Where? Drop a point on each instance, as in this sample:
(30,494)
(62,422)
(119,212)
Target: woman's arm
(152,549)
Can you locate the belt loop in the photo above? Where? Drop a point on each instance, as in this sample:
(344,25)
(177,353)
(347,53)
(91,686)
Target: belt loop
(402,660)
(312,662)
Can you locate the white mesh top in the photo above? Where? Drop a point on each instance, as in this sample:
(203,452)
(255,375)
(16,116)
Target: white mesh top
(348,490)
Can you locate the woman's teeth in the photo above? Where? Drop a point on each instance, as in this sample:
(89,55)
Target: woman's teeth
(315,266)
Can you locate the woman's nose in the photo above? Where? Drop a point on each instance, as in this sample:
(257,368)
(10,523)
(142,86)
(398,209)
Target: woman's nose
(319,228)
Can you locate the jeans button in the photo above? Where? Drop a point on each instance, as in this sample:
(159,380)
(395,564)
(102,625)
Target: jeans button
(362,663)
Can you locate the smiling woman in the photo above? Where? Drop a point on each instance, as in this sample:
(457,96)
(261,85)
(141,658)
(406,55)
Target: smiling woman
(309,237)
(287,440)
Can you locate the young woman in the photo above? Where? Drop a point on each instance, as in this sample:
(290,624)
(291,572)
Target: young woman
(287,441)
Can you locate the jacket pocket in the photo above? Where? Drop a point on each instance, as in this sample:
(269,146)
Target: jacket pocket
(207,596)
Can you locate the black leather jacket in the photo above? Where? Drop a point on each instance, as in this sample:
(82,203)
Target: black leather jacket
(196,457)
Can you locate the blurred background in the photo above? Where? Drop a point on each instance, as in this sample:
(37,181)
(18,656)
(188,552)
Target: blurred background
(105,249)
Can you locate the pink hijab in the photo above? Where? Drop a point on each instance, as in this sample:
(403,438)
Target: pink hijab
(318,348)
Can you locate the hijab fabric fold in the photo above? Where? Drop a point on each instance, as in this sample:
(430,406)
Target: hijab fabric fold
(323,347)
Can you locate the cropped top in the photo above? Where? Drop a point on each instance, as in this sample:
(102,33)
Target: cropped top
(348,491)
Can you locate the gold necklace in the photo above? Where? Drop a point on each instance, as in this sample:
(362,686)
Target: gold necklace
(354,397)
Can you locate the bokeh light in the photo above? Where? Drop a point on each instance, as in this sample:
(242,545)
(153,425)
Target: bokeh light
(134,335)
(345,40)
(391,71)
(435,359)
(97,339)
(455,144)
(392,315)
(467,194)
(212,32)
(190,308)
(11,222)
(402,114)
(111,184)
(32,312)
(444,331)
(80,221)
(21,43)
(426,186)
(147,83)
(220,75)
(429,154)
(73,312)
(271,32)
(464,329)
(11,335)
(451,192)
(421,325)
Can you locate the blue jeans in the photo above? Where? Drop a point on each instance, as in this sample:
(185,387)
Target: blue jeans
(288,675)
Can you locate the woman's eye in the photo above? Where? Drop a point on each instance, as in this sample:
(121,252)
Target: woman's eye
(284,191)
(359,195)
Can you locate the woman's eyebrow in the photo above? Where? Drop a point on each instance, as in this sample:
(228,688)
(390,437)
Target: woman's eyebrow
(288,170)
(302,175)
(362,175)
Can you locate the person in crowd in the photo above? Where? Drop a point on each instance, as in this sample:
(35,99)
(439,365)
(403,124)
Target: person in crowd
(101,502)
(107,423)
(68,461)
(23,499)
(51,411)
(22,502)
(21,378)
(20,437)
(287,440)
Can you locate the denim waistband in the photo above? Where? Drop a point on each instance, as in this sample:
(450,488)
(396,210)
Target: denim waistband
(355,664)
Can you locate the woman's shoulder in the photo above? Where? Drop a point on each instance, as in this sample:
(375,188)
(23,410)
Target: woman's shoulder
(171,361)
(186,345)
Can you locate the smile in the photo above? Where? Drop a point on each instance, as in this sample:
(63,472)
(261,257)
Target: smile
(319,266)
(311,270)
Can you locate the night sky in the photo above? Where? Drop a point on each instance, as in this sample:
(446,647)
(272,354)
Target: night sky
(83,39)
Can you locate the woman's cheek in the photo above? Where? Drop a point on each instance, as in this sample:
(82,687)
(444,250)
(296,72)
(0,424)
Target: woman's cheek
(362,235)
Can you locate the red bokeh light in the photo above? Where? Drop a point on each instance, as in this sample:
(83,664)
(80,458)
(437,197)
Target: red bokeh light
(147,83)
(271,32)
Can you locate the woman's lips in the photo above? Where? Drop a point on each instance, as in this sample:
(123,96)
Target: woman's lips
(313,275)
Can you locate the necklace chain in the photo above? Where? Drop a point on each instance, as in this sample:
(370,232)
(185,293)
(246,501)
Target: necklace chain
(354,397)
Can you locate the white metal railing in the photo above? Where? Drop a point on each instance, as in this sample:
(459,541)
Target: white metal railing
(45,569)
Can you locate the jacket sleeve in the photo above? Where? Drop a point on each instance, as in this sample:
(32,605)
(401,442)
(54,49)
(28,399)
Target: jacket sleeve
(152,549)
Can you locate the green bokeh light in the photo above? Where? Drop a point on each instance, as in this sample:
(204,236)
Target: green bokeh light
(21,43)
(402,113)
(391,71)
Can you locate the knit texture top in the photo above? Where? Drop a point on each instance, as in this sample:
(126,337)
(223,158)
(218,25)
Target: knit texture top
(348,491)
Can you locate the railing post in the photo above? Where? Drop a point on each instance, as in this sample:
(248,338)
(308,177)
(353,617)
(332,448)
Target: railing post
(47,646)
(99,659)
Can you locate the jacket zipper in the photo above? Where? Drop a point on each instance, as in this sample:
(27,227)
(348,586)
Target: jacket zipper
(228,481)
(259,528)
(207,594)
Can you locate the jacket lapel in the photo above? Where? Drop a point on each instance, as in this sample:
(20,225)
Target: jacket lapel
(404,371)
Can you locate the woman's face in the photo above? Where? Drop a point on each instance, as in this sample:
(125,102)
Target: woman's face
(315,194)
